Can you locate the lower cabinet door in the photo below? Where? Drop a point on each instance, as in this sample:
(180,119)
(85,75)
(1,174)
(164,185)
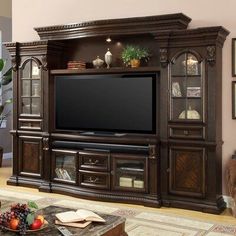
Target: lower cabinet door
(30,156)
(129,172)
(187,171)
(64,166)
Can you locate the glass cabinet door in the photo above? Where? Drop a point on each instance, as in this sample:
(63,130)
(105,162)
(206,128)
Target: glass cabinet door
(64,166)
(186,88)
(130,173)
(30,81)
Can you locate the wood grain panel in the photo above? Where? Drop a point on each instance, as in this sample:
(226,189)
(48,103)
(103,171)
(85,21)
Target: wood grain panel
(187,171)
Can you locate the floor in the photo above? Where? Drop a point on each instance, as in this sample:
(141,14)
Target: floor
(225,217)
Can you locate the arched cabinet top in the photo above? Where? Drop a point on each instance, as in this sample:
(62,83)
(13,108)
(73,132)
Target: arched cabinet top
(186,51)
(29,60)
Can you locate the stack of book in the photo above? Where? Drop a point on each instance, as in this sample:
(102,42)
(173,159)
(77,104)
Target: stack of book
(76,65)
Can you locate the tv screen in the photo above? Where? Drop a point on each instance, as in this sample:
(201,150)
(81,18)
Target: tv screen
(109,103)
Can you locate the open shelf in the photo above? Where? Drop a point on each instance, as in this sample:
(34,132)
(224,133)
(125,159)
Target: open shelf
(105,70)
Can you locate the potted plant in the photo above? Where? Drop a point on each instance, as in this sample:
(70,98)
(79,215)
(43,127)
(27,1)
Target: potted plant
(5,79)
(131,55)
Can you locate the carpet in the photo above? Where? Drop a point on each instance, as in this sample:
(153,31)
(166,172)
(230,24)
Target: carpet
(138,221)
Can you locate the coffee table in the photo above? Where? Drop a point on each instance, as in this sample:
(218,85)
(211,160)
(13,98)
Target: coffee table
(114,225)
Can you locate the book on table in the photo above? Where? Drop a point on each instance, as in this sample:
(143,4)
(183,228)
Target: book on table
(80,218)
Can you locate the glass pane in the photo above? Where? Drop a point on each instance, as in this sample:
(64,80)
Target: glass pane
(178,87)
(26,105)
(35,71)
(179,66)
(191,112)
(26,71)
(65,167)
(130,173)
(36,88)
(178,108)
(36,105)
(25,87)
(193,67)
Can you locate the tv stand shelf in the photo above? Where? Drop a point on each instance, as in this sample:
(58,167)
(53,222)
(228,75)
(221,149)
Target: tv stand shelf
(173,158)
(112,70)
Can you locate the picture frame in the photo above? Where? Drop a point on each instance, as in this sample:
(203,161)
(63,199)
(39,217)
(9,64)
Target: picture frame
(233,57)
(233,99)
(194,92)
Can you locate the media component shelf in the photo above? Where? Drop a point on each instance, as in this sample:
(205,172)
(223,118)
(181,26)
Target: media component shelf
(150,135)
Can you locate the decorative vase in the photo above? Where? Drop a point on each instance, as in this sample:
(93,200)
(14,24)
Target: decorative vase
(135,63)
(98,62)
(108,58)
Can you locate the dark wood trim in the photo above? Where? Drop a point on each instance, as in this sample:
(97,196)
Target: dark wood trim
(233,57)
(111,27)
(233,99)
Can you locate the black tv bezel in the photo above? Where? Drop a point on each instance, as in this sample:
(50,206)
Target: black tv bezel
(105,132)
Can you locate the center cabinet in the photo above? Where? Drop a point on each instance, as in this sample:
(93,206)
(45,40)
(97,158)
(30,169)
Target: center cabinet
(173,158)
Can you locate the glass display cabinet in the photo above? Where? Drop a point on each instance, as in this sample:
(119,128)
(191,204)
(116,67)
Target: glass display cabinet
(65,166)
(130,173)
(186,88)
(30,81)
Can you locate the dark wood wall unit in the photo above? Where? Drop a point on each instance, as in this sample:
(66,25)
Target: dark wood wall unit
(178,165)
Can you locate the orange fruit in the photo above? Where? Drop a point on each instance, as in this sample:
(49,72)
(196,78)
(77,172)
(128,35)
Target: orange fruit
(13,224)
(40,217)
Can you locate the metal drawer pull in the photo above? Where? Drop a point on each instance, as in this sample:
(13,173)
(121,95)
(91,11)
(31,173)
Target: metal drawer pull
(93,163)
(91,180)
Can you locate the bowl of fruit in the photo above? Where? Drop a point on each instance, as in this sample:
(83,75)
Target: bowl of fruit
(23,218)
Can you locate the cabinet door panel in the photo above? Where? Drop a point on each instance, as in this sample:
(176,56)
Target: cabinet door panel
(187,171)
(30,155)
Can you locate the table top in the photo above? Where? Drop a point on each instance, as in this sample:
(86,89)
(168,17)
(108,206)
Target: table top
(93,229)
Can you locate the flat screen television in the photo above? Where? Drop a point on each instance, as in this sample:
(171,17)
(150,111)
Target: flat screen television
(106,103)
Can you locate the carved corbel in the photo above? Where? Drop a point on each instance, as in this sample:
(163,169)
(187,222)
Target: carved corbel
(15,63)
(45,144)
(44,63)
(211,55)
(163,57)
(152,152)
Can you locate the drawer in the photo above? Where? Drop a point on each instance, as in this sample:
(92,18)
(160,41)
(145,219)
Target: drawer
(30,124)
(98,161)
(187,132)
(94,179)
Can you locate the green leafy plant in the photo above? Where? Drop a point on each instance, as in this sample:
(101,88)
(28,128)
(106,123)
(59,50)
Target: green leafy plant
(5,79)
(131,52)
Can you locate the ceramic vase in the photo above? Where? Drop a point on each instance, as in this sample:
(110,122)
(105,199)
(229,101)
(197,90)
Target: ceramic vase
(108,58)
(98,62)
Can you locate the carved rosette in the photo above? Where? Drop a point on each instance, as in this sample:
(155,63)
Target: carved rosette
(211,55)
(163,57)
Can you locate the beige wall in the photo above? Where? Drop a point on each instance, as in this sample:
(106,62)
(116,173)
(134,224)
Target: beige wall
(6,29)
(5,8)
(29,14)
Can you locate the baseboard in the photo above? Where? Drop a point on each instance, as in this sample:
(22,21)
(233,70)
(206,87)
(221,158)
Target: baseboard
(7,155)
(229,201)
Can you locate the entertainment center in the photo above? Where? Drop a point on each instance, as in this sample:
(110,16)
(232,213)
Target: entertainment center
(149,135)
